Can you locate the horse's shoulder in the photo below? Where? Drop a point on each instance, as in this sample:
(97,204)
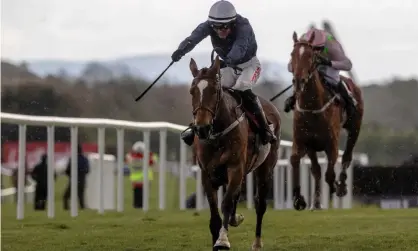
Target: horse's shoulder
(353,87)
(349,82)
(233,94)
(230,91)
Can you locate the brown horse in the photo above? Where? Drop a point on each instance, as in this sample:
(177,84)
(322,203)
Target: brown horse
(228,148)
(317,122)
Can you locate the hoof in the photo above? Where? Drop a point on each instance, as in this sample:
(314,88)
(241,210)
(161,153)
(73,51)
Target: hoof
(222,243)
(316,206)
(237,220)
(299,203)
(257,245)
(341,189)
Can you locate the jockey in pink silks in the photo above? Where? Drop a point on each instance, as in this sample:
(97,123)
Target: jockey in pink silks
(330,63)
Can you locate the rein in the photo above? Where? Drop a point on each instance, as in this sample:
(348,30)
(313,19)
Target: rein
(312,70)
(219,96)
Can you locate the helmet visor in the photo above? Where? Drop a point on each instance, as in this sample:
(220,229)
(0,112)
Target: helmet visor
(220,26)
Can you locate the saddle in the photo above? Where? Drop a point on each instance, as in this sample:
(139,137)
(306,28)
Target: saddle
(260,151)
(347,83)
(254,125)
(342,98)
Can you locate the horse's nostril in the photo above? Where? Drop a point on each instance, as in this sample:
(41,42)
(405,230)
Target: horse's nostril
(203,131)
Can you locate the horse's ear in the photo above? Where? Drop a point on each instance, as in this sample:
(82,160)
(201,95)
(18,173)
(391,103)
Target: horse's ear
(295,37)
(312,38)
(216,66)
(193,67)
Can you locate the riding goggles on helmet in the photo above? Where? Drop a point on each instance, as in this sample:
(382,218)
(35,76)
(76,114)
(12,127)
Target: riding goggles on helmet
(220,26)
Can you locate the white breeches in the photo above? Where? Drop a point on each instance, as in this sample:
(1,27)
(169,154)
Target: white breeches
(243,80)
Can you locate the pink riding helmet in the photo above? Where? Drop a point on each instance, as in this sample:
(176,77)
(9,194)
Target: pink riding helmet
(320,37)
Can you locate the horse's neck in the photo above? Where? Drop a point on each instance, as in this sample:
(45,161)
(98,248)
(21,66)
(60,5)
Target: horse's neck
(226,114)
(314,95)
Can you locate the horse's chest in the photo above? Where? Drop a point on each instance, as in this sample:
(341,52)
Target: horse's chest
(218,176)
(313,133)
(312,136)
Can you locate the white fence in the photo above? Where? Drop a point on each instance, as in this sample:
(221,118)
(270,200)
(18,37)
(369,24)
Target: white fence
(282,170)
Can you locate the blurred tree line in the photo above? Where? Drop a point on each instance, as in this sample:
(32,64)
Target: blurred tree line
(387,139)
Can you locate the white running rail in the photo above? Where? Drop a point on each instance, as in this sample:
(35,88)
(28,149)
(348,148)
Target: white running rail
(282,192)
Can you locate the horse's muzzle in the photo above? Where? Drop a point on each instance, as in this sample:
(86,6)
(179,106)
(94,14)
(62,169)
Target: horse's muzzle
(203,131)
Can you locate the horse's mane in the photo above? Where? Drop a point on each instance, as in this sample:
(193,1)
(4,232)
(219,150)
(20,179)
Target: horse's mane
(304,41)
(203,73)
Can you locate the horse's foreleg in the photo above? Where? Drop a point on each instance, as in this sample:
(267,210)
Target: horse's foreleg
(299,202)
(235,175)
(332,155)
(215,222)
(236,219)
(353,134)
(316,173)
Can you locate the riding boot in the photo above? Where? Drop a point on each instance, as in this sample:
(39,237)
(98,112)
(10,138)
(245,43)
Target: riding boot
(254,105)
(289,103)
(350,101)
(188,136)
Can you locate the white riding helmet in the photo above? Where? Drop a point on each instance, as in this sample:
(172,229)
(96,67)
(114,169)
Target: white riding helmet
(138,147)
(222,12)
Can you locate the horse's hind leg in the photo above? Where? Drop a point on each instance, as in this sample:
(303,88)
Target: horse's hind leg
(353,133)
(235,176)
(263,177)
(215,223)
(299,202)
(316,173)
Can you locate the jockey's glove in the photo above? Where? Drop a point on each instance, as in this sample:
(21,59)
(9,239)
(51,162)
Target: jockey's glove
(222,64)
(323,61)
(177,55)
(228,62)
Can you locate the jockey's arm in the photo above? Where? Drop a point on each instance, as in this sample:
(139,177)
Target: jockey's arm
(339,60)
(197,35)
(241,44)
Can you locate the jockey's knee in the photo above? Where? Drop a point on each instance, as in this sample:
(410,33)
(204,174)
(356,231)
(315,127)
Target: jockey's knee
(227,78)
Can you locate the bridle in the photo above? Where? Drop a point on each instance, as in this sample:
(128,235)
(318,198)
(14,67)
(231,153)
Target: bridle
(214,113)
(218,98)
(313,68)
(219,94)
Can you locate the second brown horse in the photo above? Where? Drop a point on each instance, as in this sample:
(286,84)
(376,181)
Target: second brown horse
(317,122)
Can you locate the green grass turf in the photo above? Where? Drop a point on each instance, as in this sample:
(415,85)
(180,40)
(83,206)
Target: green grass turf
(357,229)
